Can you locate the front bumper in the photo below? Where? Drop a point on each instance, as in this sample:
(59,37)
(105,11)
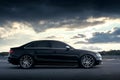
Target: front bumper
(98,59)
(98,62)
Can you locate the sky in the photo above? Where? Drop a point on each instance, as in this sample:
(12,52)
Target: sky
(84,24)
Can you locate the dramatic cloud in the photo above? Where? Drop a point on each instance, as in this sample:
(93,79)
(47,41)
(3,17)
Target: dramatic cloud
(58,13)
(45,9)
(80,42)
(12,28)
(43,25)
(111,36)
(106,37)
(78,36)
(25,20)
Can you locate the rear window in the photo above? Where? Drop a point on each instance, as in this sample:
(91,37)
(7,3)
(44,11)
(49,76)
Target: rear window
(42,44)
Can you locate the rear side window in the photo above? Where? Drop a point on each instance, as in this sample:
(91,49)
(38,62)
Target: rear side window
(56,44)
(39,44)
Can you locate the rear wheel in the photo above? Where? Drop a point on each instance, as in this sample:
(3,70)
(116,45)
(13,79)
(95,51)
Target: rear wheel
(26,62)
(87,61)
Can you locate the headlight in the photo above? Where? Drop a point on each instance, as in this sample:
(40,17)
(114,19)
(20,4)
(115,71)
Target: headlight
(99,55)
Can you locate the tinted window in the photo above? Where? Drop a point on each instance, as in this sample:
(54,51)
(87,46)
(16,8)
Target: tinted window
(56,44)
(42,44)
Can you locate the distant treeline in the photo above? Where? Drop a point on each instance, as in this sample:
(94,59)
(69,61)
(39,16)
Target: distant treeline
(3,53)
(111,52)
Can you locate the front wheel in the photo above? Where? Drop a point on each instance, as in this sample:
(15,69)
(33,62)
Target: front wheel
(87,61)
(26,62)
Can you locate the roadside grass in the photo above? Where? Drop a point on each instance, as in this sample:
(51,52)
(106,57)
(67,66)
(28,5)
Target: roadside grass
(111,52)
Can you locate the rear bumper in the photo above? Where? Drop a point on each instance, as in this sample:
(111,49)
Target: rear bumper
(13,61)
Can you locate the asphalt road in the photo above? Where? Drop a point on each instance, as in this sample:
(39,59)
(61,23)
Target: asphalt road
(109,70)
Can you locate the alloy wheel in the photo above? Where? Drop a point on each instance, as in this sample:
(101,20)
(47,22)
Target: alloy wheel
(26,61)
(87,61)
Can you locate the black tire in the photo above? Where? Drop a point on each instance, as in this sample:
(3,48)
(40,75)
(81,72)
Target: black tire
(26,62)
(87,61)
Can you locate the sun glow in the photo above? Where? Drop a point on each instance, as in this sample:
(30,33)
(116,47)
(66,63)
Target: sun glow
(20,33)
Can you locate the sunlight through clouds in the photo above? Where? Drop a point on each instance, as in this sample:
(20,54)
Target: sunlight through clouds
(18,33)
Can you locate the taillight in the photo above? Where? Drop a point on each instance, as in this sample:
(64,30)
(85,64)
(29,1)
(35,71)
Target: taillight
(11,51)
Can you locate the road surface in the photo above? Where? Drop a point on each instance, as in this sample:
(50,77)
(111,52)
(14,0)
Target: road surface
(109,70)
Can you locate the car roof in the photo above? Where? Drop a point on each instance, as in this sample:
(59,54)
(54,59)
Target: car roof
(47,40)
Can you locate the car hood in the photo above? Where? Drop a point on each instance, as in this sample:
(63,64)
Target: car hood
(86,51)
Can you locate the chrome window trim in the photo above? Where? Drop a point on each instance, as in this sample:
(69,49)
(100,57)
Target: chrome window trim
(41,48)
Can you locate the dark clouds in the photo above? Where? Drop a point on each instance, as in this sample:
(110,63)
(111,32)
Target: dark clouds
(78,36)
(106,37)
(112,36)
(63,22)
(56,11)
(33,10)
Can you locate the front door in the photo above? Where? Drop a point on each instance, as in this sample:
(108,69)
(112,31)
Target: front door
(61,54)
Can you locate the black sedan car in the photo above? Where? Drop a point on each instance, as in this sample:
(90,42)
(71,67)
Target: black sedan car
(52,52)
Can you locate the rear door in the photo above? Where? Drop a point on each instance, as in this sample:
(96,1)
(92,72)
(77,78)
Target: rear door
(42,50)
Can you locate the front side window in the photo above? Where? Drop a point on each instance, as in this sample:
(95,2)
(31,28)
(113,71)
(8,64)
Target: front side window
(56,44)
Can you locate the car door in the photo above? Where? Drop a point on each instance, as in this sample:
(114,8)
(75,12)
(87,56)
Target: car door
(43,51)
(61,53)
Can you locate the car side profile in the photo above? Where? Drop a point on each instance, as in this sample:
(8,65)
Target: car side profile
(51,52)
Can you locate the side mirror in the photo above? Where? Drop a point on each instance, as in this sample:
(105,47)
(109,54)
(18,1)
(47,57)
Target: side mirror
(67,48)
